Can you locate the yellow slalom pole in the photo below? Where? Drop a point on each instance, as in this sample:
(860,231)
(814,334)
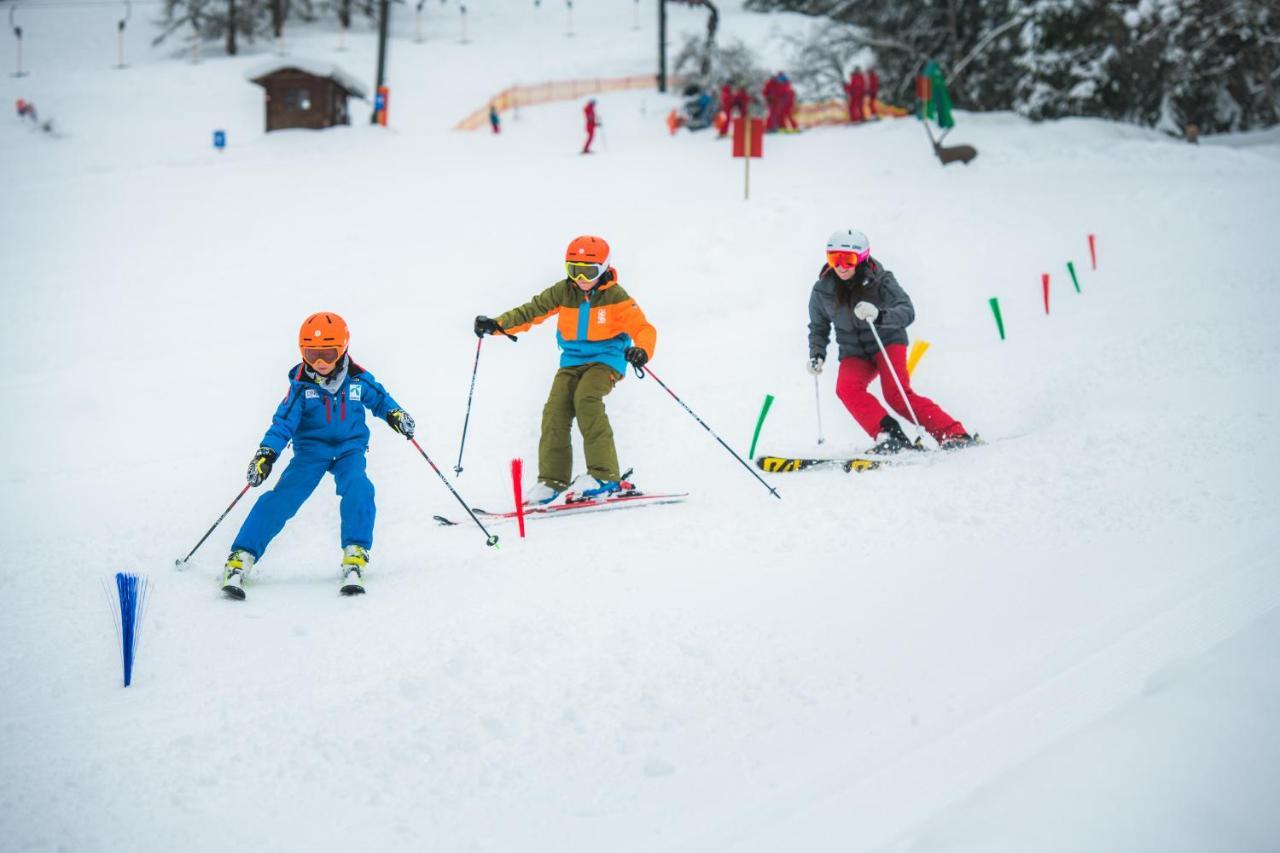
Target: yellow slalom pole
(913,357)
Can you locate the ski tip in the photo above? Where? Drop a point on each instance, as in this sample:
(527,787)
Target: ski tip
(440,519)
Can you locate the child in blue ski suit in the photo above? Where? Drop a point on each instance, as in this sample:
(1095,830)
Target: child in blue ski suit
(323,415)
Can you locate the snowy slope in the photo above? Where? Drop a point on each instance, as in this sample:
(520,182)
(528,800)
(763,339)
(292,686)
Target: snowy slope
(868,662)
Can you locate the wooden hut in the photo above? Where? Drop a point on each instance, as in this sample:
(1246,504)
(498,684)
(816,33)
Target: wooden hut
(306,94)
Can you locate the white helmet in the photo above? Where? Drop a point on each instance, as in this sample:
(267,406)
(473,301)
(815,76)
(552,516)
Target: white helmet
(849,240)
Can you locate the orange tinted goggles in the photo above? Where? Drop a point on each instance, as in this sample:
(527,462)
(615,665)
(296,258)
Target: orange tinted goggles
(846,259)
(324,355)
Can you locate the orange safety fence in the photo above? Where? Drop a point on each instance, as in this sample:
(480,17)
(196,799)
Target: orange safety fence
(559,90)
(514,97)
(837,112)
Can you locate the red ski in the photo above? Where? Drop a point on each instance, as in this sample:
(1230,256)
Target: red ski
(575,507)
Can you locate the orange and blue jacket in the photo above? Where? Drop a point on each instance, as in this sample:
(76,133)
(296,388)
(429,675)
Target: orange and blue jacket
(596,326)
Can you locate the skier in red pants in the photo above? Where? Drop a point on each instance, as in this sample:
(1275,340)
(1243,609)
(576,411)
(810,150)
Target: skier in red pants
(855,293)
(592,123)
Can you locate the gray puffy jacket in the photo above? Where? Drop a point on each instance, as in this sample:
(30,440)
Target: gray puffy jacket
(853,336)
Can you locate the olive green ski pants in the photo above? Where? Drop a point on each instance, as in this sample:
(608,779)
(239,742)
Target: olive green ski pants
(577,391)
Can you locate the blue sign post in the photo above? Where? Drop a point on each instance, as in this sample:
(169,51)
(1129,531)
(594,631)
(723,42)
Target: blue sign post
(220,139)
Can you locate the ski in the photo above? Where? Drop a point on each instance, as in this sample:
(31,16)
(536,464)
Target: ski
(857,463)
(627,501)
(786,464)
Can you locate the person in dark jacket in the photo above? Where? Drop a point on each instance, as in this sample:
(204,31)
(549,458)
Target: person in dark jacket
(323,416)
(854,292)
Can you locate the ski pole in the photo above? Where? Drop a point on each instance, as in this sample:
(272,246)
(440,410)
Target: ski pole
(457,469)
(490,539)
(179,564)
(649,371)
(817,401)
(894,373)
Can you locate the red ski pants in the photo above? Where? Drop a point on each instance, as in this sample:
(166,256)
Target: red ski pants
(591,134)
(851,387)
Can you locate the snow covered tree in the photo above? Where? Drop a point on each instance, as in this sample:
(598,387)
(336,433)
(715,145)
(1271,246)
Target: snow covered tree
(214,19)
(1162,63)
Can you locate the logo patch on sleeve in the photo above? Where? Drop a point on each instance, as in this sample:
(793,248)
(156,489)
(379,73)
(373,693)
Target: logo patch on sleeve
(355,392)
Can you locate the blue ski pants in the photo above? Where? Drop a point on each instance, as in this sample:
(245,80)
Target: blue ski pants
(299,480)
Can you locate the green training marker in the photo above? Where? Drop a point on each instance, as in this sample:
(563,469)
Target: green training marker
(1071,268)
(764,411)
(995,309)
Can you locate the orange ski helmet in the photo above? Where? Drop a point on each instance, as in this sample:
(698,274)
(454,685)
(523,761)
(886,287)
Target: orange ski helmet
(587,258)
(323,340)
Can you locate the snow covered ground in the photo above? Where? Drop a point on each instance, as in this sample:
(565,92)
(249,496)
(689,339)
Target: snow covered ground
(1064,640)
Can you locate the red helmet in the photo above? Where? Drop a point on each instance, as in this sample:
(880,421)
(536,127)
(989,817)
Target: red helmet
(323,339)
(587,258)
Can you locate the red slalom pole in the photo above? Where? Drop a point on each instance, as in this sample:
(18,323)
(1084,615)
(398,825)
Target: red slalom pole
(1044,281)
(1093,253)
(517,474)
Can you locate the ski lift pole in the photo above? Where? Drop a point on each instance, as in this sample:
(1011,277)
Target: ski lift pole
(641,372)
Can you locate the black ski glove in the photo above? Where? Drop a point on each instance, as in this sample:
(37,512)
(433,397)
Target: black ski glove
(485,326)
(401,422)
(260,466)
(636,356)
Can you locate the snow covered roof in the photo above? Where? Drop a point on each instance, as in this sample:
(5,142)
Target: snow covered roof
(310,66)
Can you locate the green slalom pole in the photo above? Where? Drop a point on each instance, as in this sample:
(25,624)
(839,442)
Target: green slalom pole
(1071,268)
(995,309)
(764,412)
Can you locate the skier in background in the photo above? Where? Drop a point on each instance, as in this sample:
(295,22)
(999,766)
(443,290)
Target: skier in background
(494,121)
(773,102)
(854,291)
(600,330)
(592,123)
(725,117)
(873,93)
(323,415)
(786,105)
(26,109)
(856,89)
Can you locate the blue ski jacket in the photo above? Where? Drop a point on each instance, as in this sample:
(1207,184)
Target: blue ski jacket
(327,424)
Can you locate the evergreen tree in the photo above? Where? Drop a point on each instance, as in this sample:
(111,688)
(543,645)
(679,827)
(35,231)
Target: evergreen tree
(1163,63)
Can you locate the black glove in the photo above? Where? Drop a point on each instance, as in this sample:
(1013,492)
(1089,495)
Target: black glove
(260,466)
(636,356)
(401,422)
(485,326)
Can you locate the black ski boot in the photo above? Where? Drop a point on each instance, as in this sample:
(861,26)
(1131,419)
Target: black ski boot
(891,439)
(959,441)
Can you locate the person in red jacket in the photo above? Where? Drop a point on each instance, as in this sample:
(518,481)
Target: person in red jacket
(726,109)
(873,92)
(786,105)
(592,123)
(773,102)
(856,89)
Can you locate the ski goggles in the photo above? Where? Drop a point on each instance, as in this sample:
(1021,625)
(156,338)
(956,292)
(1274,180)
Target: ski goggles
(847,259)
(328,356)
(584,272)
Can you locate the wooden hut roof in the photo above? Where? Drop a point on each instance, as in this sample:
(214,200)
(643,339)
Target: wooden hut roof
(349,84)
